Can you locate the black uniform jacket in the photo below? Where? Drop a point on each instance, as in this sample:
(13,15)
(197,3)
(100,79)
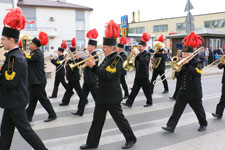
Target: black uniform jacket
(108,86)
(221,66)
(89,76)
(162,62)
(59,67)
(14,80)
(36,72)
(191,87)
(142,65)
(72,74)
(124,57)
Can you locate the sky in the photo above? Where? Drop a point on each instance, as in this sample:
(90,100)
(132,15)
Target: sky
(105,10)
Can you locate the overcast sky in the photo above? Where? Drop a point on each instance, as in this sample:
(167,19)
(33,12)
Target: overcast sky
(105,10)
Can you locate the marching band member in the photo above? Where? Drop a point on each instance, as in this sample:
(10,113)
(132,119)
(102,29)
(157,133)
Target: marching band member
(142,73)
(158,63)
(220,106)
(120,47)
(109,94)
(60,70)
(73,76)
(37,78)
(191,89)
(14,85)
(90,79)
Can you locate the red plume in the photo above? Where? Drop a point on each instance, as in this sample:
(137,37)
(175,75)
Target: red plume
(73,42)
(43,37)
(92,34)
(112,30)
(123,40)
(64,45)
(193,40)
(15,19)
(145,37)
(20,43)
(161,38)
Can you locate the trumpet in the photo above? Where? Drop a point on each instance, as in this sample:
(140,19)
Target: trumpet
(1,46)
(177,65)
(129,64)
(221,60)
(82,64)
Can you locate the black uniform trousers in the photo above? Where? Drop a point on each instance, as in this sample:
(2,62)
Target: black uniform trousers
(178,85)
(143,83)
(58,80)
(69,91)
(196,105)
(85,91)
(220,106)
(124,85)
(99,120)
(154,77)
(38,93)
(16,117)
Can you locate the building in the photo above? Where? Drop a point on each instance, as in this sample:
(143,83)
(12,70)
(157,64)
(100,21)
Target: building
(59,19)
(170,26)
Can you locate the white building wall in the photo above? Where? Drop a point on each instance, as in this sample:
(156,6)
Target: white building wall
(87,15)
(3,7)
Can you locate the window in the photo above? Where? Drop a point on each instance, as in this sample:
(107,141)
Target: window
(215,43)
(215,24)
(80,29)
(31,26)
(160,28)
(181,26)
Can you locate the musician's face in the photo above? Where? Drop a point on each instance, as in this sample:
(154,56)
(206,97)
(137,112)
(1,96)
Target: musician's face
(108,49)
(184,54)
(141,48)
(32,46)
(119,50)
(91,48)
(6,42)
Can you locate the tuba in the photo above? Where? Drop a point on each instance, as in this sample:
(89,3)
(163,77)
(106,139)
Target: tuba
(156,60)
(129,64)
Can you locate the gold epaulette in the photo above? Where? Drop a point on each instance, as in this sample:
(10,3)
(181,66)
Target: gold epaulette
(198,70)
(112,68)
(57,62)
(27,56)
(10,74)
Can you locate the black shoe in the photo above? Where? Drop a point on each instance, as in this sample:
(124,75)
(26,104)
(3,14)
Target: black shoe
(85,146)
(202,128)
(29,120)
(165,91)
(53,97)
(147,105)
(128,105)
(217,116)
(50,119)
(125,97)
(77,113)
(168,129)
(63,104)
(128,144)
(172,98)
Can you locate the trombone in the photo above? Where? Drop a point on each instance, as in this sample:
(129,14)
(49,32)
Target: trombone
(82,64)
(221,60)
(177,65)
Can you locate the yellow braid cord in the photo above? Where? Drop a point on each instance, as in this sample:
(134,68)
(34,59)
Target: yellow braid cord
(198,70)
(57,62)
(27,56)
(111,70)
(10,76)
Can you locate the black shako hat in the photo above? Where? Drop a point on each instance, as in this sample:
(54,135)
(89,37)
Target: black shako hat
(11,33)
